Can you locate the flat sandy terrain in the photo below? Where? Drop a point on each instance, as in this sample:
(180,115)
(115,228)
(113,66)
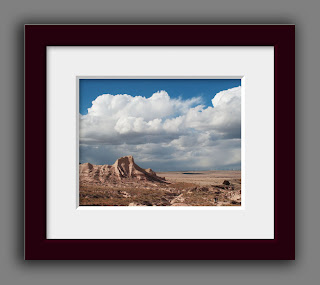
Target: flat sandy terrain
(202,177)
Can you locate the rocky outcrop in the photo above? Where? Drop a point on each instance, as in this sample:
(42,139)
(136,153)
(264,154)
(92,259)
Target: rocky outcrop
(123,170)
(226,182)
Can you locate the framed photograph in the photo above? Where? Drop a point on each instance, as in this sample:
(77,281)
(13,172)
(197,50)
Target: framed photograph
(159,142)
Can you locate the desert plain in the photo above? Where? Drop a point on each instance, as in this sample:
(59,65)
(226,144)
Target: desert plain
(126,184)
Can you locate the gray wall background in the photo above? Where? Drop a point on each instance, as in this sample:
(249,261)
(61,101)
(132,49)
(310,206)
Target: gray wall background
(305,14)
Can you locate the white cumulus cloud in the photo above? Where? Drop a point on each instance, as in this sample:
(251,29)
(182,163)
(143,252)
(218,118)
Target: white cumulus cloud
(161,130)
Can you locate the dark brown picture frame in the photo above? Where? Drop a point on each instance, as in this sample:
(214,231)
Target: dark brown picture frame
(38,37)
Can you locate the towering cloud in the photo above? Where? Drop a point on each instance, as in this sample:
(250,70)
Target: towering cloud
(164,131)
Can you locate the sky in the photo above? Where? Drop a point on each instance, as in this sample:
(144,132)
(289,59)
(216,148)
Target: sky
(166,124)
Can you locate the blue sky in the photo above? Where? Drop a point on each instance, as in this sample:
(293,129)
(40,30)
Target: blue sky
(90,89)
(166,124)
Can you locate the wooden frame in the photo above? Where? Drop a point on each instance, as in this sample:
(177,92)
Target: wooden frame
(38,37)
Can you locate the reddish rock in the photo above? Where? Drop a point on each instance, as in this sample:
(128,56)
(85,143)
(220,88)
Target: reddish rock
(123,170)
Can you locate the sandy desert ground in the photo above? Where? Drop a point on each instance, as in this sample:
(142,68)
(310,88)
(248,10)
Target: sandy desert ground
(202,177)
(126,184)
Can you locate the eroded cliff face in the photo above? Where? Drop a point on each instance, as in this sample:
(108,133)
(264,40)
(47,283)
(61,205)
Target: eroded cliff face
(122,171)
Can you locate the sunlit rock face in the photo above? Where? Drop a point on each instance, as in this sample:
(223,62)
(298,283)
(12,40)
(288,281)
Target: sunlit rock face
(123,170)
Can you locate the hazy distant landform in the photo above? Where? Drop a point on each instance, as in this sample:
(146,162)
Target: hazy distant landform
(126,184)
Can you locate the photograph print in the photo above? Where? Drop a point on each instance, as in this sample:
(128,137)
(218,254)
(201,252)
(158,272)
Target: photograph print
(159,142)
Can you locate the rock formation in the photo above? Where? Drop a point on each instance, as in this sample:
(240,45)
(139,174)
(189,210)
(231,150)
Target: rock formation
(122,171)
